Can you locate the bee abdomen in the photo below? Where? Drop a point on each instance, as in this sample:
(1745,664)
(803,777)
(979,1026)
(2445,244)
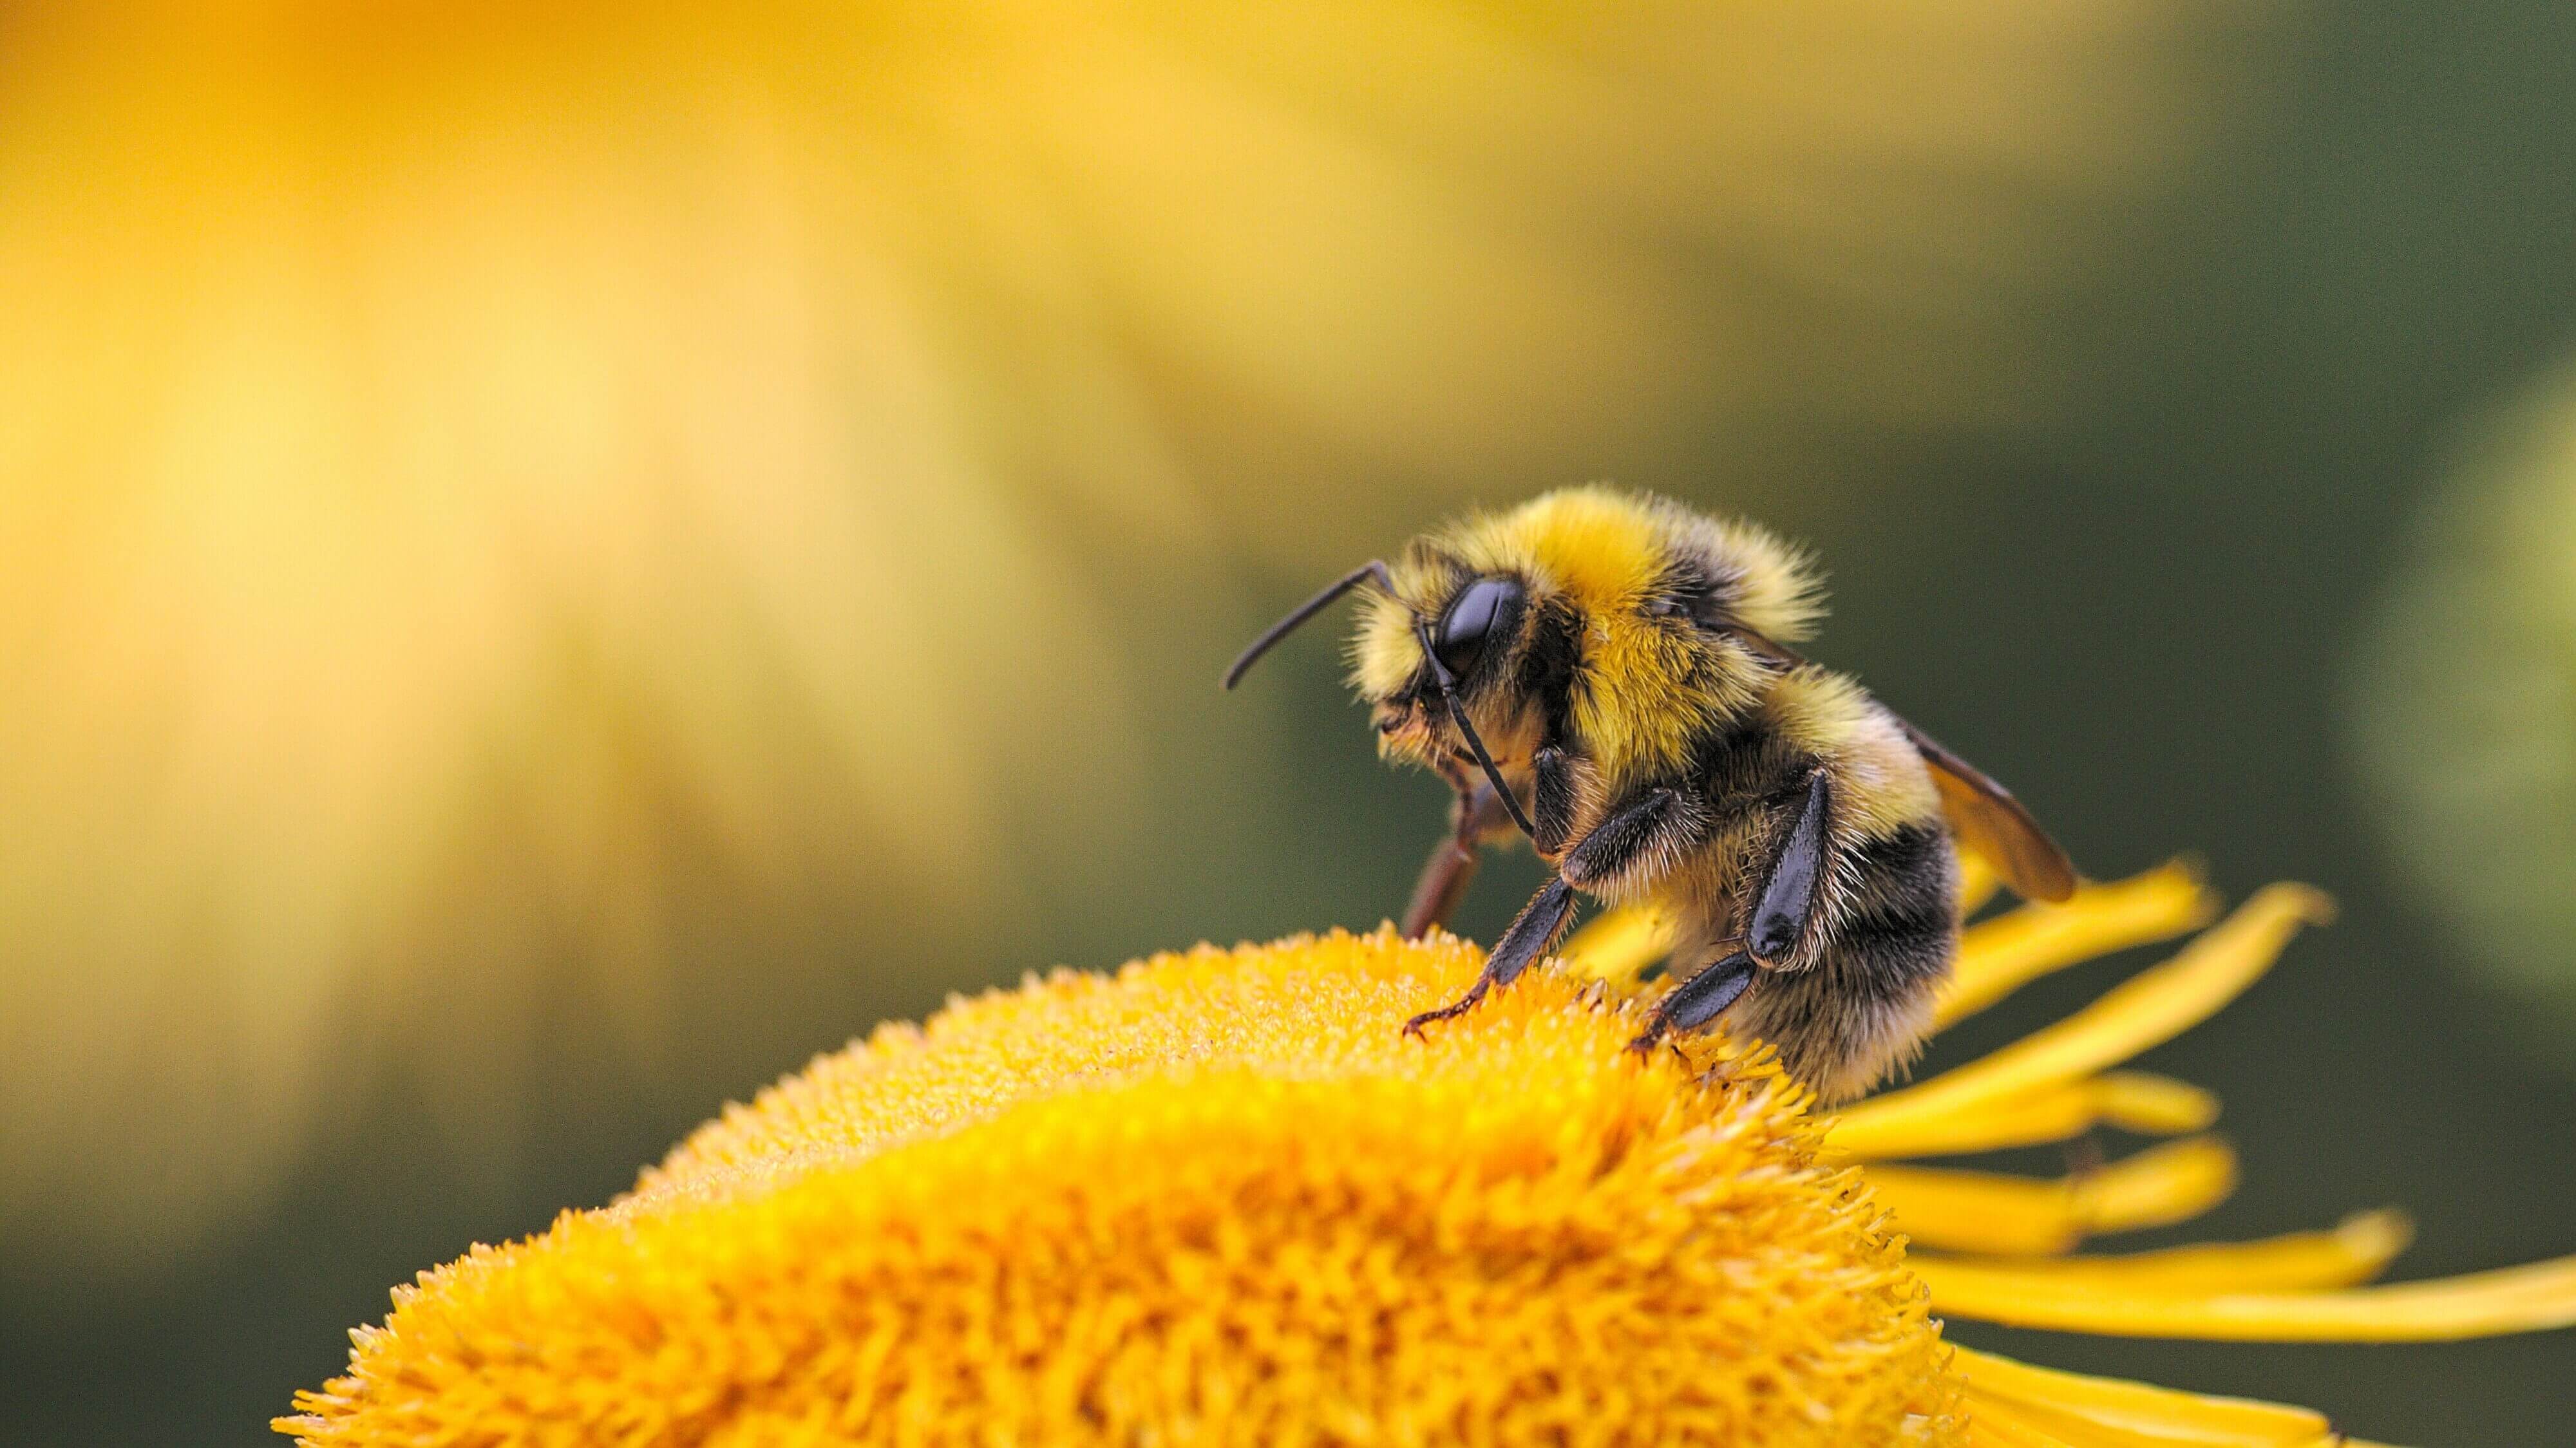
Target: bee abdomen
(1902,883)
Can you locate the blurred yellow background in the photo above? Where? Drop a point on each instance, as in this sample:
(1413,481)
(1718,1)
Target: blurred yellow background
(450,448)
(556,560)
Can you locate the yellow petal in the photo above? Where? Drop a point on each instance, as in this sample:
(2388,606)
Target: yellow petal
(1975,1211)
(1619,944)
(2532,1298)
(1977,882)
(2358,1250)
(2002,955)
(2131,1100)
(2156,1188)
(2086,1410)
(2153,1105)
(1994,1426)
(2058,1426)
(2152,1007)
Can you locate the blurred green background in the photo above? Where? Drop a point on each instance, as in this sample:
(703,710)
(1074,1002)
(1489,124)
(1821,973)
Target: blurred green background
(553,566)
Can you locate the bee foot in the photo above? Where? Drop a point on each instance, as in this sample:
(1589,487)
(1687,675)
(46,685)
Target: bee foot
(1458,1007)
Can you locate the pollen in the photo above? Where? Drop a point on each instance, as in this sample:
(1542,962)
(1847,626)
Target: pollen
(1220,1197)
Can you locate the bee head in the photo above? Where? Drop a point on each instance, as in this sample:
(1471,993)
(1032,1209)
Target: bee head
(1442,658)
(1454,635)
(1433,636)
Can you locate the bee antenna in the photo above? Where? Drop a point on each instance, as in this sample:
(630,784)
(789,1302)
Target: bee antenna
(1458,715)
(1373,571)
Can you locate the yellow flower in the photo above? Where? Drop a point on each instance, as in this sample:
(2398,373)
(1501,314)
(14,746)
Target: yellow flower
(1219,1197)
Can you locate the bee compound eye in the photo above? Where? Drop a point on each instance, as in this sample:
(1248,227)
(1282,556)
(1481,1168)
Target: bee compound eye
(1480,609)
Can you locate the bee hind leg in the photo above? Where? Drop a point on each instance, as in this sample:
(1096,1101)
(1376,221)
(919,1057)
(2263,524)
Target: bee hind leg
(1698,1000)
(1536,928)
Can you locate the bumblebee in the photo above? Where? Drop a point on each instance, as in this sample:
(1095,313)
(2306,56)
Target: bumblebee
(1612,675)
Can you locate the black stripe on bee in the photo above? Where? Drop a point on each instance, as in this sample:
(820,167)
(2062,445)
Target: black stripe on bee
(1902,886)
(1898,930)
(1685,588)
(1860,1009)
(1746,757)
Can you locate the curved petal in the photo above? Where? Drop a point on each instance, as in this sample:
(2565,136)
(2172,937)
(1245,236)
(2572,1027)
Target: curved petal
(2356,1251)
(2150,1008)
(2000,956)
(2082,1410)
(1975,1211)
(2532,1298)
(2136,1101)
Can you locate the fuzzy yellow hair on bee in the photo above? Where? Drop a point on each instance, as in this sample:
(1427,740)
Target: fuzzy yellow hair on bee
(1610,673)
(1629,567)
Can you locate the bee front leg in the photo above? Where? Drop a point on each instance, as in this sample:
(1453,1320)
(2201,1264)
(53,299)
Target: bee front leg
(1532,932)
(1476,817)
(1551,798)
(1642,830)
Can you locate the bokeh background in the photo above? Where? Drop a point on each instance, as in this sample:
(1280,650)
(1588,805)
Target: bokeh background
(555,562)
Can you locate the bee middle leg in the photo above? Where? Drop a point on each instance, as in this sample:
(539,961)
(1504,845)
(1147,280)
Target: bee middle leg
(1477,818)
(1699,1000)
(1656,820)
(1782,911)
(1640,838)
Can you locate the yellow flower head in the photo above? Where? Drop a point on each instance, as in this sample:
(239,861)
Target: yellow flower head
(1220,1197)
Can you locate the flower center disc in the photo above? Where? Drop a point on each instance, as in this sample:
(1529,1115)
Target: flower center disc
(1218,1196)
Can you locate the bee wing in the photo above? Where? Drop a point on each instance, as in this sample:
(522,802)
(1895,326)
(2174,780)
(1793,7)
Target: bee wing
(1983,814)
(1987,819)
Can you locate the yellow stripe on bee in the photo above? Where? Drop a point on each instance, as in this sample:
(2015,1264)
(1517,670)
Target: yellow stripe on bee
(1601,548)
(1651,685)
(1645,698)
(1882,786)
(1640,710)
